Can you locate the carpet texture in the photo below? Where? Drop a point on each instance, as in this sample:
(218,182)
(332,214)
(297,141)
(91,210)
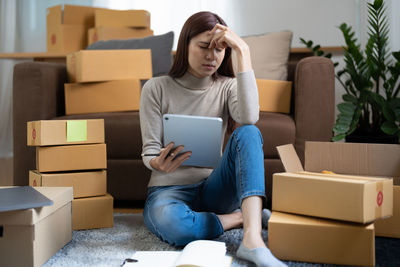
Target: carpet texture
(110,246)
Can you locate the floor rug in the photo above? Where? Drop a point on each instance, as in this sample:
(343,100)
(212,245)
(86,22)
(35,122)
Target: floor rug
(110,246)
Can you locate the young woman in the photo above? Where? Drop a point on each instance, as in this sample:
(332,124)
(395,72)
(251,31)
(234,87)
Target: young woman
(189,203)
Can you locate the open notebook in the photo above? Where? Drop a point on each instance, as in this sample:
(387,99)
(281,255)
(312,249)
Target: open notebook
(204,253)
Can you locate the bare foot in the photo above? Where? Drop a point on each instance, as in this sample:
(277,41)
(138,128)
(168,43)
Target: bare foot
(231,220)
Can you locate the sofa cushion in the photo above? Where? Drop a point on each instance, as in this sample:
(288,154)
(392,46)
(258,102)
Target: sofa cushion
(122,133)
(277,129)
(160,45)
(269,54)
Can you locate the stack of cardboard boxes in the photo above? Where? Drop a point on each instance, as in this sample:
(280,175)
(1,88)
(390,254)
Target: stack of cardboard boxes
(73,153)
(71,28)
(327,217)
(105,80)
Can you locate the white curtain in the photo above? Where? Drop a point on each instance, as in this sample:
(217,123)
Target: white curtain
(8,30)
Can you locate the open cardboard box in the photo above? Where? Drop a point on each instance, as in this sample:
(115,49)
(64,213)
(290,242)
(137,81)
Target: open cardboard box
(30,237)
(352,159)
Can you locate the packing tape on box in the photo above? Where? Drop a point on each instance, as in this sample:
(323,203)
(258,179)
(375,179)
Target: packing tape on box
(379,199)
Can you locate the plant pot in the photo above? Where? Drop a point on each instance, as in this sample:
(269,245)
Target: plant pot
(372,137)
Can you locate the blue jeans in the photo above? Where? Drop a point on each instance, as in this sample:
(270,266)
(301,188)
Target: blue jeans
(179,214)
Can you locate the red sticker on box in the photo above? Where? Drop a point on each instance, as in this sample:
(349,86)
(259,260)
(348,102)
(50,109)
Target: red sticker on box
(95,37)
(34,133)
(379,198)
(34,183)
(53,39)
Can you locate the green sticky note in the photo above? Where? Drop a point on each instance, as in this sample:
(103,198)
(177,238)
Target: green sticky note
(76,130)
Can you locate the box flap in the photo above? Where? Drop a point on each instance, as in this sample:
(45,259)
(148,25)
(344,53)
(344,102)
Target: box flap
(352,158)
(289,158)
(60,197)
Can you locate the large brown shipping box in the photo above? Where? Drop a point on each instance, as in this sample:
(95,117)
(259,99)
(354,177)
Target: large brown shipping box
(57,132)
(390,227)
(69,158)
(109,65)
(67,27)
(362,199)
(300,238)
(274,95)
(120,33)
(85,184)
(92,212)
(30,237)
(122,18)
(380,160)
(121,95)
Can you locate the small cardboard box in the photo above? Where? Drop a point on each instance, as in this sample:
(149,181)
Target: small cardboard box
(85,184)
(274,95)
(361,200)
(30,237)
(120,95)
(67,27)
(70,158)
(109,65)
(65,132)
(300,238)
(111,33)
(122,18)
(92,212)
(348,159)
(390,227)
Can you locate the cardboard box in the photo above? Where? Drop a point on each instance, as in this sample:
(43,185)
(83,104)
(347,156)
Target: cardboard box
(120,33)
(65,132)
(30,237)
(85,184)
(274,95)
(390,227)
(109,65)
(122,95)
(300,238)
(92,212)
(70,158)
(361,200)
(122,18)
(345,158)
(67,27)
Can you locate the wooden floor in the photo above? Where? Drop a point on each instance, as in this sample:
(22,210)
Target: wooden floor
(6,171)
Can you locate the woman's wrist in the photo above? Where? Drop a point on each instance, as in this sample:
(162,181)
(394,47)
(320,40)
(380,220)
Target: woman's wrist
(243,58)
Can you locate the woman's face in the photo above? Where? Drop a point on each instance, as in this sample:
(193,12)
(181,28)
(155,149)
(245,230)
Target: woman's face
(203,61)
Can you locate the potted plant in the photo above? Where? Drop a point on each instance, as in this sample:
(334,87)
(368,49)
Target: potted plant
(370,111)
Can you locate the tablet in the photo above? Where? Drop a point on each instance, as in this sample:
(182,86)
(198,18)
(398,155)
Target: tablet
(201,135)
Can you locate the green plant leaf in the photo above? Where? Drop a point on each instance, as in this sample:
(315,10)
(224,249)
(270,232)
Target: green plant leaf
(389,128)
(388,113)
(350,98)
(346,108)
(338,137)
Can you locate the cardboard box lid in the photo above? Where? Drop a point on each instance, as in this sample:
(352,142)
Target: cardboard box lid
(287,218)
(344,158)
(60,197)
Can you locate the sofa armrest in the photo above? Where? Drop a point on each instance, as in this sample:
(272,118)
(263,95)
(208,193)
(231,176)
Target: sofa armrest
(38,94)
(314,106)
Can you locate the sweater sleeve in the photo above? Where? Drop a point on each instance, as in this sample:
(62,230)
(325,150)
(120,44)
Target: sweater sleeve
(150,121)
(243,99)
